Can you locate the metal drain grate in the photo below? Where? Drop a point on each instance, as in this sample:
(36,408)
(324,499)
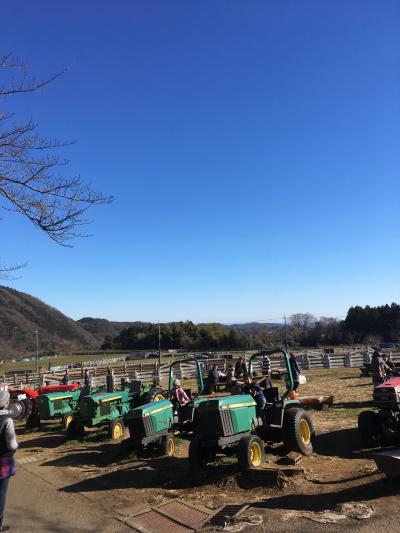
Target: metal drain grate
(227,514)
(186,514)
(155,522)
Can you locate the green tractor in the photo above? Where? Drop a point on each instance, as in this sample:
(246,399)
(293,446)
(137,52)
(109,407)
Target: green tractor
(154,424)
(57,405)
(232,425)
(110,408)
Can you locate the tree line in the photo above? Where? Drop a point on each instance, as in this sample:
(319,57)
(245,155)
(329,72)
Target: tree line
(367,324)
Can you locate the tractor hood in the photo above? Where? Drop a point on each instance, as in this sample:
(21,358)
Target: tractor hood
(150,409)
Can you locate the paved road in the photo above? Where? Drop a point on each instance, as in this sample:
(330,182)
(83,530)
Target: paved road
(34,505)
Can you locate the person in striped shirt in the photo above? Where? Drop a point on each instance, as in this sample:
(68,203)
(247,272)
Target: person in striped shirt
(266,370)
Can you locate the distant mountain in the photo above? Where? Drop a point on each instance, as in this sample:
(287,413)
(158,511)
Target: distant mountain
(256,326)
(22,314)
(101,327)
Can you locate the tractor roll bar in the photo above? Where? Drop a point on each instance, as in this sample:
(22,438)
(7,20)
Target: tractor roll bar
(200,382)
(288,367)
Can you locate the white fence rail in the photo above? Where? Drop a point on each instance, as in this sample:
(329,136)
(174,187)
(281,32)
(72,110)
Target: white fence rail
(146,372)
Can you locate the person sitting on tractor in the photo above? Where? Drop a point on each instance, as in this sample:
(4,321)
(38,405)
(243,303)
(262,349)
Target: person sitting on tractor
(379,369)
(179,397)
(240,368)
(256,391)
(213,379)
(389,363)
(65,379)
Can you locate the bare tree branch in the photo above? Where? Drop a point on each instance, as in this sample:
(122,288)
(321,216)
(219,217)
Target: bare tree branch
(6,271)
(30,179)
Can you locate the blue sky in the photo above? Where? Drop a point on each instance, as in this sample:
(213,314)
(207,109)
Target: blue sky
(251,148)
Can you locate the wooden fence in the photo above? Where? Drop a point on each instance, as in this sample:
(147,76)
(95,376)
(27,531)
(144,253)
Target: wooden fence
(148,371)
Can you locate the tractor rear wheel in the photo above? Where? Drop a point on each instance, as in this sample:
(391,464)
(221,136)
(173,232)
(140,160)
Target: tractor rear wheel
(75,429)
(370,429)
(154,395)
(250,452)
(298,431)
(116,429)
(168,445)
(66,420)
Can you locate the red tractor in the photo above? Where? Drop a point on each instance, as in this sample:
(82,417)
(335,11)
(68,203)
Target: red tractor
(382,427)
(23,401)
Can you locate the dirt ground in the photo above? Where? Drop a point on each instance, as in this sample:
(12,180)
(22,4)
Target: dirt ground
(339,471)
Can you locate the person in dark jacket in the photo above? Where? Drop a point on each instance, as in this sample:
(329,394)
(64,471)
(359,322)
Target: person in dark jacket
(8,446)
(240,368)
(379,369)
(294,367)
(256,391)
(65,379)
(213,379)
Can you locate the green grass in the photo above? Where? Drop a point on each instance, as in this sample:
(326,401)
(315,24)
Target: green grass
(69,360)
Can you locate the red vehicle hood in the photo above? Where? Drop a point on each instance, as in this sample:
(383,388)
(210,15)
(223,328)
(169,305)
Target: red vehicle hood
(392,382)
(47,389)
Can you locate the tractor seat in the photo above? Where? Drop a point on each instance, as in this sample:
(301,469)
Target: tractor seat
(271,394)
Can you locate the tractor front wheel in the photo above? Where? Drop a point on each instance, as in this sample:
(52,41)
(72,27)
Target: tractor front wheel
(66,420)
(116,429)
(370,429)
(168,445)
(17,409)
(250,452)
(298,431)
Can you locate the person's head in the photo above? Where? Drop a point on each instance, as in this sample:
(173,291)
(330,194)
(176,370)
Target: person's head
(214,367)
(254,374)
(246,379)
(230,367)
(240,359)
(177,383)
(4,398)
(376,354)
(292,354)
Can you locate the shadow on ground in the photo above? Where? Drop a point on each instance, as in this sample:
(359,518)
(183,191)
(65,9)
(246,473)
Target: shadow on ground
(159,472)
(345,443)
(379,488)
(43,441)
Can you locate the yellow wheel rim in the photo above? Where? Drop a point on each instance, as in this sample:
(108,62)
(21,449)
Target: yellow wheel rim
(255,454)
(117,431)
(68,420)
(158,397)
(170,447)
(305,432)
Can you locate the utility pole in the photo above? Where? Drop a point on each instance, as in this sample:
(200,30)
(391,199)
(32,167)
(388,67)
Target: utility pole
(159,344)
(37,351)
(286,343)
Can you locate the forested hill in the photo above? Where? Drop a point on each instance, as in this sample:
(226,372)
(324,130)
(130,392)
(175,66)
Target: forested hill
(101,327)
(22,314)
